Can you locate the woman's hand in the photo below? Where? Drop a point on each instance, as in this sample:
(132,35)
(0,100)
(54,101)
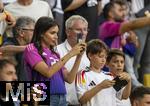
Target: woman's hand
(78,49)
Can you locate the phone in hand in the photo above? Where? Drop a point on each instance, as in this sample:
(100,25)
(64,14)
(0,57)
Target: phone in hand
(119,84)
(79,37)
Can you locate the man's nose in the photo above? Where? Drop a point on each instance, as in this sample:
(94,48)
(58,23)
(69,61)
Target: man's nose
(14,77)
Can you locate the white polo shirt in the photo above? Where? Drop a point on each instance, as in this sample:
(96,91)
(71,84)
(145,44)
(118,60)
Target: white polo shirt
(63,49)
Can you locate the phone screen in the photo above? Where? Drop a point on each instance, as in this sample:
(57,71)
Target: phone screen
(79,37)
(119,84)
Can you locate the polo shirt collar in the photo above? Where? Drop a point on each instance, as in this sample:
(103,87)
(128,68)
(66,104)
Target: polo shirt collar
(67,45)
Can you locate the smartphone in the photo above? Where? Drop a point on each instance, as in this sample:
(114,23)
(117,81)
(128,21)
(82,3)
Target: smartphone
(119,84)
(79,37)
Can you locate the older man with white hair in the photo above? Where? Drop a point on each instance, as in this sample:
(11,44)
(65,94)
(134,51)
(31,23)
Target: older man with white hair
(76,29)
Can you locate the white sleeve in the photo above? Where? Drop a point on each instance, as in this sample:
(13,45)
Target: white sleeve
(80,85)
(119,93)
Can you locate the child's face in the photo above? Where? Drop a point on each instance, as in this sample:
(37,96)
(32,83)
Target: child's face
(98,60)
(116,64)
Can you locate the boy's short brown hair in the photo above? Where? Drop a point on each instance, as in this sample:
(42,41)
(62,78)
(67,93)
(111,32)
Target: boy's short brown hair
(114,52)
(96,46)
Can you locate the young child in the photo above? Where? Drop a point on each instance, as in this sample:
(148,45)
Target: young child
(94,87)
(115,63)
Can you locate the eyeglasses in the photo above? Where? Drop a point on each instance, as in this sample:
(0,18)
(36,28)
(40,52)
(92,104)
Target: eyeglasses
(27,29)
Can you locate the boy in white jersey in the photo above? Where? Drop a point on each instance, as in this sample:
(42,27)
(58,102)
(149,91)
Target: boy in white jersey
(94,87)
(115,63)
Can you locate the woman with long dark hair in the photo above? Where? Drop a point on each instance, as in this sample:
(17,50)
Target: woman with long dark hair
(44,64)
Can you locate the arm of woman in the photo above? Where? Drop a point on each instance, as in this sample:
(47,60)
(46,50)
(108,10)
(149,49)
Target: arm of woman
(47,71)
(70,76)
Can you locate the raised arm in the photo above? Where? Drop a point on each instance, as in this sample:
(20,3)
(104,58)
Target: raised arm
(11,49)
(47,71)
(75,4)
(70,76)
(134,24)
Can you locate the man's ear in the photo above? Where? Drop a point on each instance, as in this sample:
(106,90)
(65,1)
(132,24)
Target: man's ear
(67,32)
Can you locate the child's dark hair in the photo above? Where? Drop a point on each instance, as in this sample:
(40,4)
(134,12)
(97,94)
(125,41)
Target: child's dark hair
(96,46)
(114,52)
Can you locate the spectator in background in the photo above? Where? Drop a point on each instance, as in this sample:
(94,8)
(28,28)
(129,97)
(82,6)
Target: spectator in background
(7,73)
(132,42)
(85,8)
(22,32)
(31,8)
(140,96)
(43,63)
(117,33)
(75,25)
(5,17)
